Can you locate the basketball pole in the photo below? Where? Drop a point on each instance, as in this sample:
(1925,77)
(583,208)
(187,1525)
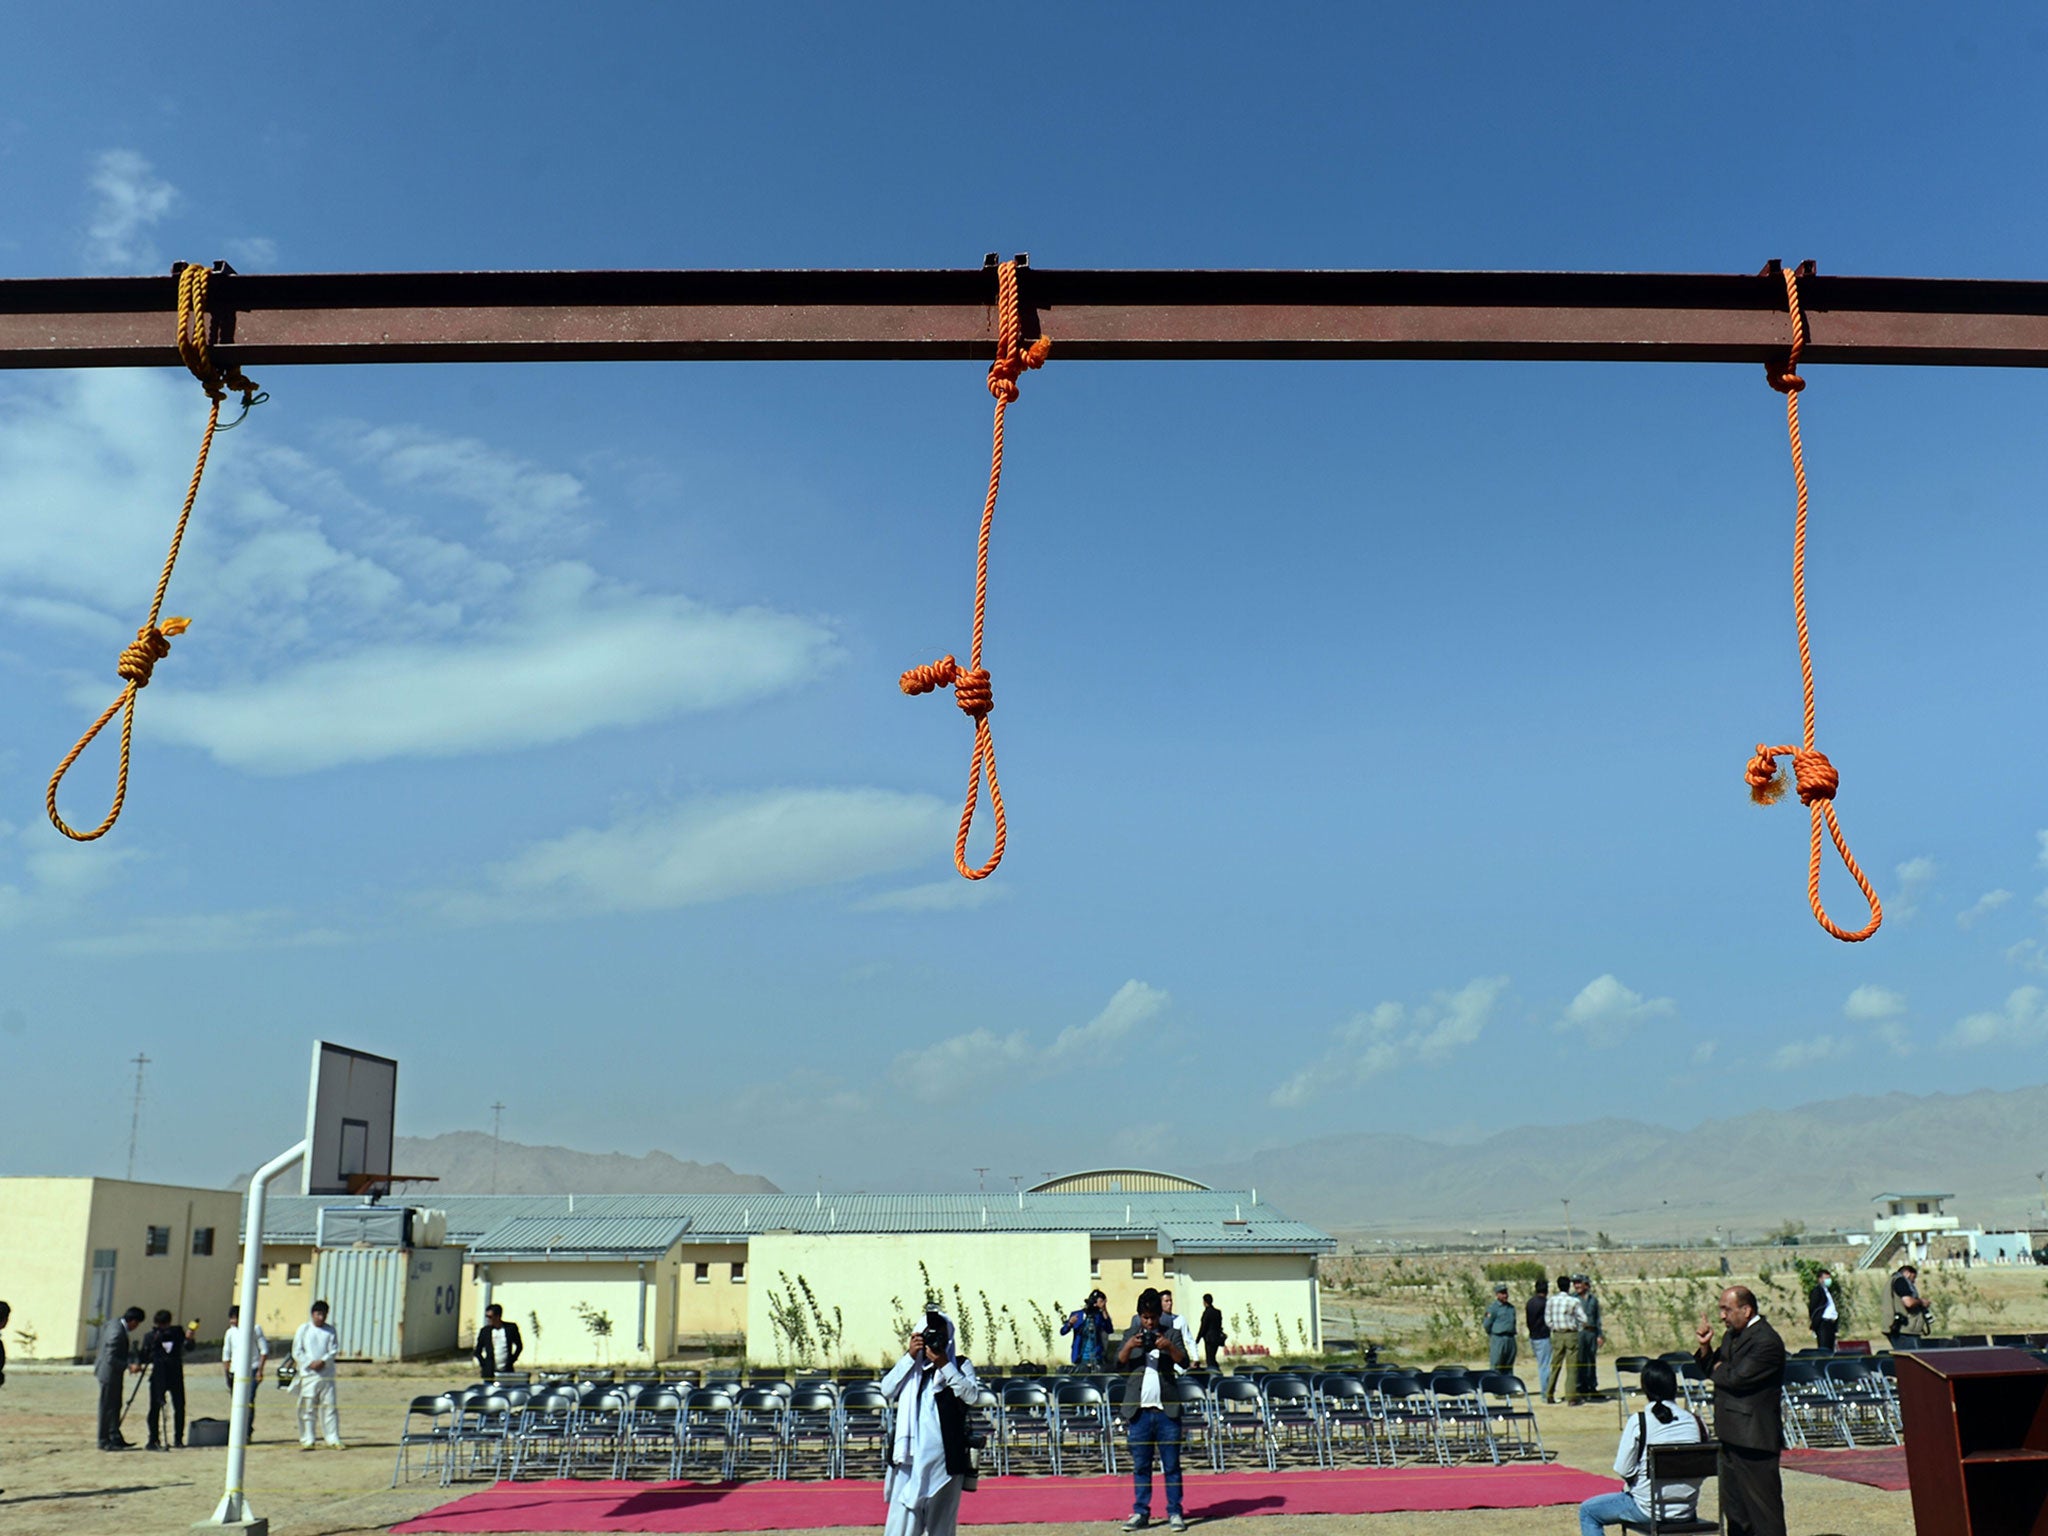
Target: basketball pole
(233,1511)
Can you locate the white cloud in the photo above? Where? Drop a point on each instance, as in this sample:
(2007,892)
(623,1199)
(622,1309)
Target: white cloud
(2029,955)
(592,659)
(1392,1035)
(329,628)
(954,895)
(2022,1021)
(946,1063)
(186,933)
(128,199)
(708,850)
(252,253)
(1606,1012)
(1984,906)
(1134,1004)
(1703,1053)
(1913,876)
(1872,1005)
(520,501)
(1799,1054)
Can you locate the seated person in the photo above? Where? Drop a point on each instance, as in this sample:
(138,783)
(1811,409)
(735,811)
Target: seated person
(1658,1424)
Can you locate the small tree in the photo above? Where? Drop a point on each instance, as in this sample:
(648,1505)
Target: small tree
(1047,1322)
(600,1326)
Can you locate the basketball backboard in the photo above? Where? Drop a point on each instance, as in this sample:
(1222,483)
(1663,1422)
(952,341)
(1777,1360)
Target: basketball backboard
(349,1110)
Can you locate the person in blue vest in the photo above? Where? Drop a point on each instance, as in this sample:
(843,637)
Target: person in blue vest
(1090,1327)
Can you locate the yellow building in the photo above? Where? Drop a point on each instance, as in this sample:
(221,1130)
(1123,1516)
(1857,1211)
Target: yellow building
(662,1274)
(74,1252)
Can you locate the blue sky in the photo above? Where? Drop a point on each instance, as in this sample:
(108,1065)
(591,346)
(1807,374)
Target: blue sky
(1373,733)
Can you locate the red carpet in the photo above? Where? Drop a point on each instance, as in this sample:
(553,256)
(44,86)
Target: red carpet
(1882,1466)
(573,1506)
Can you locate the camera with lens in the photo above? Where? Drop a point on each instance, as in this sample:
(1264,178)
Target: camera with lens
(1149,1337)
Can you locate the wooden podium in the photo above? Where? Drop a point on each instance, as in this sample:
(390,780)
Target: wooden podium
(1976,1425)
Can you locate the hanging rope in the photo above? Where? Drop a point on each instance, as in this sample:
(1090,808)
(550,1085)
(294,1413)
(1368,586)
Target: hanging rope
(970,684)
(1813,774)
(152,642)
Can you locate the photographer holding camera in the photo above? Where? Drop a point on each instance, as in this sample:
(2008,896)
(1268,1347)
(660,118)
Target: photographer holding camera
(1091,1328)
(929,1458)
(1151,1352)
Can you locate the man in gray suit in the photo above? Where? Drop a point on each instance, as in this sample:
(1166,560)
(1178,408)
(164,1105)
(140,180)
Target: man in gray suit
(1748,1370)
(114,1361)
(1151,1352)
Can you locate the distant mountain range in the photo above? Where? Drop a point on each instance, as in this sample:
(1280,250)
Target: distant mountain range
(461,1163)
(1820,1164)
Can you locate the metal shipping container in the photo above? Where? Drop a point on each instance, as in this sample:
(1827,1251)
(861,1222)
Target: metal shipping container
(391,1303)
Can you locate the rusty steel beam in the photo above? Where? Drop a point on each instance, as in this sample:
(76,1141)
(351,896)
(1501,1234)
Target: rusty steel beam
(443,317)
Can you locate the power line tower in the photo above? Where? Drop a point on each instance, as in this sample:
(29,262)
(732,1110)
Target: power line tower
(135,1119)
(497,1119)
(981,1180)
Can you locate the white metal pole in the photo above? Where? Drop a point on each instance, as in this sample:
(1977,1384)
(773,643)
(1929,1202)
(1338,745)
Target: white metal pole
(234,1503)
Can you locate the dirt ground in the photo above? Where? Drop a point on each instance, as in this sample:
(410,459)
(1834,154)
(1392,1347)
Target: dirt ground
(58,1484)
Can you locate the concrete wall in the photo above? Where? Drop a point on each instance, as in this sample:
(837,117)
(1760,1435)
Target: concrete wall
(715,1307)
(51,1228)
(45,1265)
(1271,1284)
(868,1277)
(282,1302)
(551,1290)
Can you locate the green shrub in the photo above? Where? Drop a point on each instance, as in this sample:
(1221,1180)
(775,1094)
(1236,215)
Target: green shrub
(1528,1271)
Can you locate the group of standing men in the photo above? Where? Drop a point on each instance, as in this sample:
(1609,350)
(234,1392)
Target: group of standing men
(1564,1328)
(162,1353)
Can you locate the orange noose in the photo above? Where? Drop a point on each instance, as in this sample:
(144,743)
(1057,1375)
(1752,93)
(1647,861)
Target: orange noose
(970,684)
(1813,774)
(153,640)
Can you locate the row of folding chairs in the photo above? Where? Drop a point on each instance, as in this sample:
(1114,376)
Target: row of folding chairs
(1058,1426)
(621,1430)
(1848,1400)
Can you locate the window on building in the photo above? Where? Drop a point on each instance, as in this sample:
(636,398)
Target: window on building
(1138,1268)
(1094,1269)
(202,1242)
(292,1275)
(1923,1207)
(704,1273)
(739,1271)
(159,1242)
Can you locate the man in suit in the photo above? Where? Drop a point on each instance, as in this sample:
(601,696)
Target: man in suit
(113,1362)
(1211,1331)
(1748,1371)
(1821,1312)
(498,1345)
(1151,1352)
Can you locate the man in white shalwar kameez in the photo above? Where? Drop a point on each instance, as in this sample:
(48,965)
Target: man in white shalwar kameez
(928,1458)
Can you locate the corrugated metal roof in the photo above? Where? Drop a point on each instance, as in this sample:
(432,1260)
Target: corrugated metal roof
(627,1237)
(1176,1217)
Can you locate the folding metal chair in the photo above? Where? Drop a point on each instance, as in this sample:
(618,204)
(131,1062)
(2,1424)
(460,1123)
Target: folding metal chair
(1240,1420)
(428,1422)
(1025,1422)
(707,1429)
(1080,1423)
(1507,1403)
(651,1428)
(1694,1464)
(1291,1418)
(1462,1419)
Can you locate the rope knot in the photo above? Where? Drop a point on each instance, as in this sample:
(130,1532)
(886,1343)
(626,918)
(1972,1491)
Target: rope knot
(150,646)
(972,693)
(970,685)
(1783,380)
(1816,776)
(1004,372)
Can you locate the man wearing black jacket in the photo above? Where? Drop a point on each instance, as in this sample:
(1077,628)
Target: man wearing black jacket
(164,1348)
(1151,1352)
(1748,1371)
(1821,1312)
(498,1345)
